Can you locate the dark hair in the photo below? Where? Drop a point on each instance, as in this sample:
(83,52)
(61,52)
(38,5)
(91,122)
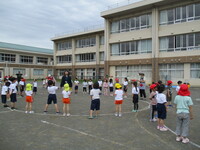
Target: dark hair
(96,85)
(7,84)
(179,82)
(135,85)
(66,71)
(126,79)
(12,79)
(159,82)
(161,88)
(50,82)
(111,80)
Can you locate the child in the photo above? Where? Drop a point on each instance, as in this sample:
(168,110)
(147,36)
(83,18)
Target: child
(161,107)
(100,84)
(85,84)
(135,92)
(13,92)
(142,86)
(90,83)
(43,83)
(125,87)
(111,87)
(95,100)
(35,86)
(169,93)
(52,96)
(29,98)
(153,102)
(184,113)
(22,85)
(4,93)
(66,99)
(76,82)
(105,87)
(118,99)
(178,86)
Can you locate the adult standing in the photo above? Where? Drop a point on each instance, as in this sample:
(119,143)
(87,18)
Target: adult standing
(66,79)
(142,85)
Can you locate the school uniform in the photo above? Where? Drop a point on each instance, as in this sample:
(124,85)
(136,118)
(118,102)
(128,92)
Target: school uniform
(161,108)
(135,92)
(29,98)
(13,92)
(52,94)
(4,91)
(95,103)
(119,96)
(85,84)
(125,86)
(22,85)
(66,95)
(34,86)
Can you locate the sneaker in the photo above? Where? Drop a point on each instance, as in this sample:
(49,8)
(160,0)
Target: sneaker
(45,112)
(154,119)
(90,117)
(26,112)
(163,129)
(64,114)
(178,138)
(31,112)
(68,114)
(13,108)
(158,127)
(151,120)
(120,114)
(5,105)
(185,140)
(116,114)
(57,113)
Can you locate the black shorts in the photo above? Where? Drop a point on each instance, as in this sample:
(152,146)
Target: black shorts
(100,88)
(84,89)
(52,97)
(162,113)
(21,88)
(3,99)
(13,97)
(135,98)
(76,87)
(34,89)
(111,89)
(95,104)
(125,89)
(169,99)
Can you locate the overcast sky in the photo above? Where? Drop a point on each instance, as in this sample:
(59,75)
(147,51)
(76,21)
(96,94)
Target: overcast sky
(34,22)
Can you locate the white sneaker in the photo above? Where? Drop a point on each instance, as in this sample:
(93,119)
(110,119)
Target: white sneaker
(64,114)
(68,114)
(154,119)
(116,114)
(178,138)
(26,112)
(120,114)
(31,112)
(185,140)
(163,129)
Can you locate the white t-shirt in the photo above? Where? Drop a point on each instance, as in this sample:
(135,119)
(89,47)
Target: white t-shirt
(161,98)
(44,81)
(12,88)
(16,83)
(4,90)
(34,84)
(100,83)
(125,83)
(90,83)
(21,83)
(52,89)
(119,94)
(110,84)
(66,94)
(85,84)
(95,93)
(76,82)
(134,90)
(29,93)
(177,88)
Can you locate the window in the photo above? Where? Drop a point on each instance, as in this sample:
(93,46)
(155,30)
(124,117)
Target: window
(101,73)
(60,72)
(7,57)
(180,14)
(180,42)
(16,70)
(91,73)
(134,47)
(101,56)
(195,70)
(50,71)
(42,60)
(38,72)
(102,40)
(26,59)
(80,73)
(64,45)
(88,57)
(171,71)
(87,42)
(64,59)
(134,23)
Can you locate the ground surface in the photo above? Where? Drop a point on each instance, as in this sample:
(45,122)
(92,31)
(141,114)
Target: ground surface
(133,131)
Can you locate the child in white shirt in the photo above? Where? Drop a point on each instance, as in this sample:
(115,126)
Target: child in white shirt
(35,86)
(29,98)
(5,93)
(118,99)
(85,84)
(66,99)
(76,82)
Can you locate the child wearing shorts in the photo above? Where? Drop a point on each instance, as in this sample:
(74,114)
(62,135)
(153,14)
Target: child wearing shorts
(52,96)
(135,92)
(66,99)
(22,85)
(29,98)
(76,82)
(95,100)
(125,87)
(35,86)
(85,84)
(111,87)
(161,107)
(13,92)
(153,102)
(118,99)
(4,93)
(90,84)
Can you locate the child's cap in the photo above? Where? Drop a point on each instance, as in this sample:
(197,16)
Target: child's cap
(66,87)
(118,86)
(184,90)
(28,87)
(153,86)
(169,82)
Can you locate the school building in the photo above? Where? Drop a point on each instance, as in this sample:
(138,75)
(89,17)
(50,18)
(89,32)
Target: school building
(32,62)
(156,37)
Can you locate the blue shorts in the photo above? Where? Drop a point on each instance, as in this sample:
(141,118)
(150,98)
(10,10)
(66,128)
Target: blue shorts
(52,97)
(13,97)
(3,99)
(162,113)
(76,87)
(95,104)
(34,89)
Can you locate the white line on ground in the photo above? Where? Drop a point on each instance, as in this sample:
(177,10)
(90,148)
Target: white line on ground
(84,133)
(4,112)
